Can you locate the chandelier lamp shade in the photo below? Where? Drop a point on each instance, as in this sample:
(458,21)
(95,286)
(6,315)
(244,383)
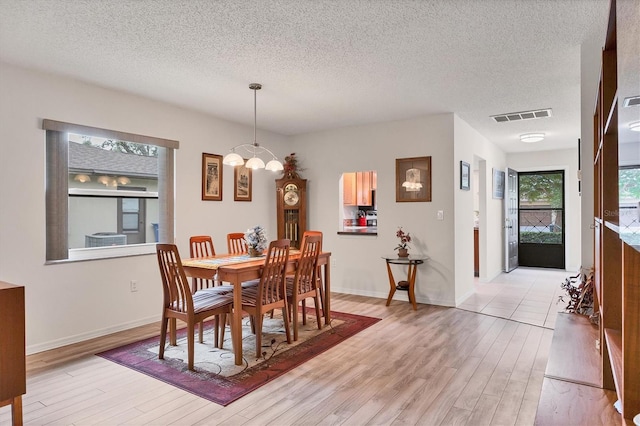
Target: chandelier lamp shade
(531,137)
(233,158)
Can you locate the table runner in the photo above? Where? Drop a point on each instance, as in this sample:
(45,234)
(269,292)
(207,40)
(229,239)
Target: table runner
(216,262)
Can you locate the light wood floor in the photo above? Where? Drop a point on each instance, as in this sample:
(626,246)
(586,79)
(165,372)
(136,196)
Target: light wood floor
(432,366)
(529,295)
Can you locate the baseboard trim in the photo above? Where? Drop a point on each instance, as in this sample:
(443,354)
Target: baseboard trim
(381,295)
(54,344)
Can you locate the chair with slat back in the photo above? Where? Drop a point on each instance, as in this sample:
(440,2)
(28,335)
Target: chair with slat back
(270,293)
(202,246)
(318,269)
(236,243)
(304,284)
(180,303)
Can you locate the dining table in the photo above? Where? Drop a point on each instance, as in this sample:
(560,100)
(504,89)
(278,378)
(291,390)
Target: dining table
(236,269)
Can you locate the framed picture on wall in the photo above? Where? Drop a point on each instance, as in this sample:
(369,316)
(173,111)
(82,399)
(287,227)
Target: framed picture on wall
(211,177)
(465,176)
(498,184)
(413,179)
(242,183)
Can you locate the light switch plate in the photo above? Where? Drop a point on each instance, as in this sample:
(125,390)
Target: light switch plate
(440,214)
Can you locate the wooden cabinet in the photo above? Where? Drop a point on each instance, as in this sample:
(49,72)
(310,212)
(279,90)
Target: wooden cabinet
(363,190)
(13,382)
(358,188)
(617,260)
(349,189)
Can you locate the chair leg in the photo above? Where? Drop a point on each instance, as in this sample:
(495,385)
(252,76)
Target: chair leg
(190,344)
(258,331)
(201,331)
(172,332)
(304,312)
(216,330)
(223,322)
(316,302)
(294,319)
(286,322)
(163,336)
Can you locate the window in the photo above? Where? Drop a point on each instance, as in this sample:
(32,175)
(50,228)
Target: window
(629,192)
(108,193)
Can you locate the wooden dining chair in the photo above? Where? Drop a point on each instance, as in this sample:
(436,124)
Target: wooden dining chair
(236,243)
(180,303)
(270,293)
(304,284)
(319,276)
(202,246)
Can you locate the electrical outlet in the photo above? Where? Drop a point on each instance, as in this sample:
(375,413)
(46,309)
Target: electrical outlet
(440,214)
(134,285)
(333,263)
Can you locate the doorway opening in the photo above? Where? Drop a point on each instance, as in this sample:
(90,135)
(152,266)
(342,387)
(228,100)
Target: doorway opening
(541,235)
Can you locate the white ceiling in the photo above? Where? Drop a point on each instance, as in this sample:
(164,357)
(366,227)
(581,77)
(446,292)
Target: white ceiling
(324,64)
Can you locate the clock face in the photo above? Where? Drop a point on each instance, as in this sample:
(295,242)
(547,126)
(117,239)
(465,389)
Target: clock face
(291,198)
(291,187)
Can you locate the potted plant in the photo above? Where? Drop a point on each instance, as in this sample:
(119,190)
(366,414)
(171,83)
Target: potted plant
(256,239)
(403,246)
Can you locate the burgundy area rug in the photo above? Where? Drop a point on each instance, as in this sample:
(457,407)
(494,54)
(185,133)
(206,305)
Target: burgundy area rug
(216,377)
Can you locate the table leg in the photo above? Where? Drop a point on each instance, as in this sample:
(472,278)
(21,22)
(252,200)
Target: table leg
(392,284)
(327,292)
(16,411)
(411,277)
(236,328)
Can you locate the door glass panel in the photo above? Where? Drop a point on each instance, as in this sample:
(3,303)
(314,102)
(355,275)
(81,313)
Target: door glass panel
(541,208)
(130,221)
(130,205)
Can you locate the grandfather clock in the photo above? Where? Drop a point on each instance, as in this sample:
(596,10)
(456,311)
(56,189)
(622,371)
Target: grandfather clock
(292,209)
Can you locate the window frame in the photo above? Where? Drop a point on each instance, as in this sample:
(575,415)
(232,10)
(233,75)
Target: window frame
(57,192)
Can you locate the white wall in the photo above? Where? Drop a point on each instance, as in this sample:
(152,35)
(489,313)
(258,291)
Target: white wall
(567,160)
(447,278)
(74,301)
(469,143)
(358,267)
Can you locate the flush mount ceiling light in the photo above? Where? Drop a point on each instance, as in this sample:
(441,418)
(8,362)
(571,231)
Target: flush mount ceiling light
(635,126)
(253,149)
(531,137)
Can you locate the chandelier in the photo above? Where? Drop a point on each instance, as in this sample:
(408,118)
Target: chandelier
(253,149)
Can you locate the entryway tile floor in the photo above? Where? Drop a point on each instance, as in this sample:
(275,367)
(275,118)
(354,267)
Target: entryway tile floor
(528,295)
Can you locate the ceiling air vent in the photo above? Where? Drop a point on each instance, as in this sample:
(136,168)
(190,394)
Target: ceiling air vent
(632,101)
(523,115)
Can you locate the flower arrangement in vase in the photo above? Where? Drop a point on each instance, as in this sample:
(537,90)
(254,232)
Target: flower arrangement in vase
(256,239)
(403,245)
(291,167)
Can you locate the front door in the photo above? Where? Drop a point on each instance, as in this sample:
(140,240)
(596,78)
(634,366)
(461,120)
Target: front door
(511,221)
(541,217)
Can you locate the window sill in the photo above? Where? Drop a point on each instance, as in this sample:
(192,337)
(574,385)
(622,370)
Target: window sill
(100,253)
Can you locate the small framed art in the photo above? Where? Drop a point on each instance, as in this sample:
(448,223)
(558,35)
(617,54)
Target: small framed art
(211,177)
(498,184)
(413,179)
(242,183)
(465,176)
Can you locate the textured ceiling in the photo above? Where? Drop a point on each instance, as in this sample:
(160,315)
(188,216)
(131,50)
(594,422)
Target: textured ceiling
(323,64)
